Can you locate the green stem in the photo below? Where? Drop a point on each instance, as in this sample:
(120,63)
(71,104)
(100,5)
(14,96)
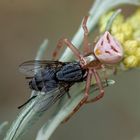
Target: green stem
(112,18)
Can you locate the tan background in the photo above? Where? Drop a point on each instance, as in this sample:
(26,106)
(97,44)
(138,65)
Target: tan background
(23,27)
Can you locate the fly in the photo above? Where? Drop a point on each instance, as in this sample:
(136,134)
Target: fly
(51,75)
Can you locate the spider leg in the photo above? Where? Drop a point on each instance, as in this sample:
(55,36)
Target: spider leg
(62,42)
(105,74)
(87,88)
(99,83)
(86,45)
(114,69)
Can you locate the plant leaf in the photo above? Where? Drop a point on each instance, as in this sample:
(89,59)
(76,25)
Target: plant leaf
(47,129)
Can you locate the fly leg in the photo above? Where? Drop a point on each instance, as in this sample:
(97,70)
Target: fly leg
(27,101)
(86,45)
(65,41)
(68,95)
(87,88)
(99,83)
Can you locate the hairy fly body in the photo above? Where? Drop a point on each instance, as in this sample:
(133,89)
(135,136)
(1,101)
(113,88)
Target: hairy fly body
(53,74)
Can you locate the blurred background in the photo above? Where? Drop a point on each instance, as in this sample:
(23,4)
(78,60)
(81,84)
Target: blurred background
(23,27)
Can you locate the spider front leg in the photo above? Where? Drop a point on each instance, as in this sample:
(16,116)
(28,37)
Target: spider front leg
(86,45)
(63,42)
(87,89)
(101,90)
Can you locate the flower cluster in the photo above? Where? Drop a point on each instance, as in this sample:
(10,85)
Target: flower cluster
(127,32)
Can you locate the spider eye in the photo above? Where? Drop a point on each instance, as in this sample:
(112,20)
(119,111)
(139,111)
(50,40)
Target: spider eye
(98,52)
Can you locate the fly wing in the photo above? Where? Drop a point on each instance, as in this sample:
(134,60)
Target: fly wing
(52,97)
(29,68)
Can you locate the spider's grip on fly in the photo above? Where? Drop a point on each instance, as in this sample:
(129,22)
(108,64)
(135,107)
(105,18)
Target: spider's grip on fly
(55,75)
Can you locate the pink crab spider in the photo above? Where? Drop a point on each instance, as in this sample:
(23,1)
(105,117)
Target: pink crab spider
(107,51)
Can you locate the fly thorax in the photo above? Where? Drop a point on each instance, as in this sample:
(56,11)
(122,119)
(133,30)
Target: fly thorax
(71,72)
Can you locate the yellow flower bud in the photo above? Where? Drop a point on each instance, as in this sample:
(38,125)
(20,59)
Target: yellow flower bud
(116,29)
(102,28)
(130,47)
(130,61)
(119,37)
(127,30)
(136,34)
(134,20)
(137,12)
(137,54)
(119,19)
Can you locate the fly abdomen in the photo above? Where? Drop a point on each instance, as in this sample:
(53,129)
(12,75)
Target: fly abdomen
(71,72)
(49,85)
(44,80)
(43,86)
(46,74)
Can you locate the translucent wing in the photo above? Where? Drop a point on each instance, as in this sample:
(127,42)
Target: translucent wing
(50,97)
(29,68)
(53,96)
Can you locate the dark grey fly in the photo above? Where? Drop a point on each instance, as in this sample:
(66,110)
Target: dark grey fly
(46,76)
